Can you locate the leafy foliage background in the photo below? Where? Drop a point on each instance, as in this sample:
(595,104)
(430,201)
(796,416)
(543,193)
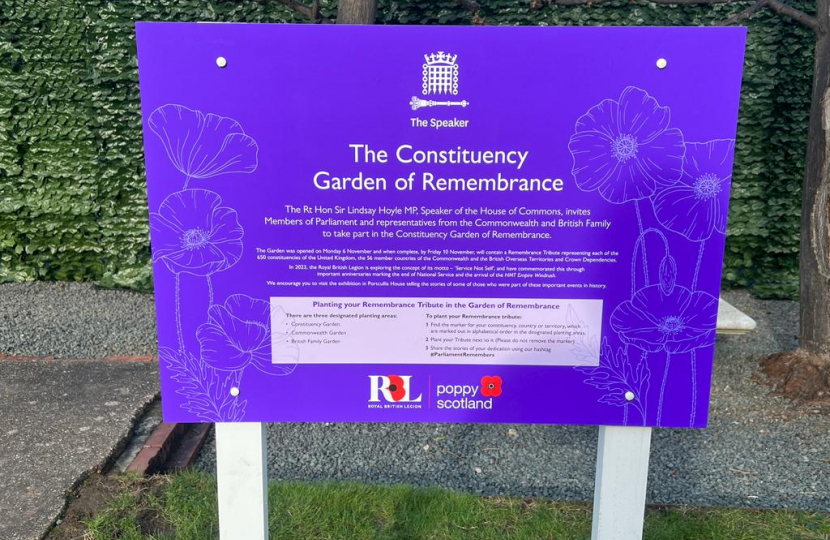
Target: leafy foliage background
(72,193)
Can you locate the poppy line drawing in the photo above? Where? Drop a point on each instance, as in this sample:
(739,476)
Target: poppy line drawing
(206,390)
(627,151)
(246,331)
(193,233)
(625,384)
(624,149)
(203,145)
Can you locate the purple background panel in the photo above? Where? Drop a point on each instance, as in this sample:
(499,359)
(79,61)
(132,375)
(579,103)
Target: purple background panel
(644,154)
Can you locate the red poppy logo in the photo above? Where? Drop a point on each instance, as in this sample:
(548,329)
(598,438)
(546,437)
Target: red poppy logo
(396,388)
(491,386)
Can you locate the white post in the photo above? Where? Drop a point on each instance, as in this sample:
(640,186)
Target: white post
(242,477)
(620,489)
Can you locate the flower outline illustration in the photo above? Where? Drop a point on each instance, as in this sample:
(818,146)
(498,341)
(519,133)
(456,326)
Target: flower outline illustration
(697,205)
(242,332)
(203,145)
(676,322)
(194,234)
(624,384)
(624,149)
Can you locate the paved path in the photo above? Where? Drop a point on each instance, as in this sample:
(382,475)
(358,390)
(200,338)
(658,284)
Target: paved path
(59,420)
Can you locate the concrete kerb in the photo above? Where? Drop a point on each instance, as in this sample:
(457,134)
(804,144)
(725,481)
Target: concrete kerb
(102,467)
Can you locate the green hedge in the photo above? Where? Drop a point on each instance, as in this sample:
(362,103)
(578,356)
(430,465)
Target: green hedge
(72,196)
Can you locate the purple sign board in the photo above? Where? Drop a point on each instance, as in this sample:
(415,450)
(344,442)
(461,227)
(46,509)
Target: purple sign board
(438,224)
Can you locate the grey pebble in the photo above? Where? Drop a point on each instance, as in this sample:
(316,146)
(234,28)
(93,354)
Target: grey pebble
(75,321)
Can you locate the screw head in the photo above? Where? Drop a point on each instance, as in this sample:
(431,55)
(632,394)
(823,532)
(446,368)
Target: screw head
(234,391)
(662,63)
(221,61)
(629,396)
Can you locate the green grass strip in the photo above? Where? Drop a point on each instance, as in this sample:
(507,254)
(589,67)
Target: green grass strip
(184,508)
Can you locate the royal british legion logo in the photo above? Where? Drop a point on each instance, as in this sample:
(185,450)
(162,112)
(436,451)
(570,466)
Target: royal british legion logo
(395,390)
(439,78)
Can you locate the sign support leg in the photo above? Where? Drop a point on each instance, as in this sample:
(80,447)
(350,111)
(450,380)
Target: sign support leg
(242,478)
(620,489)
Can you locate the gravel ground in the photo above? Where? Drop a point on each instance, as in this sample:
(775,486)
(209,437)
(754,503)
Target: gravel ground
(759,451)
(75,320)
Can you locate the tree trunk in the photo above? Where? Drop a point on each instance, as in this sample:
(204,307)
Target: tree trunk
(356,11)
(815,211)
(804,374)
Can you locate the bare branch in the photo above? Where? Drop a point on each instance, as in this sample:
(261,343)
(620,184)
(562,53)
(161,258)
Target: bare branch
(743,15)
(795,14)
(313,12)
(776,5)
(660,2)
